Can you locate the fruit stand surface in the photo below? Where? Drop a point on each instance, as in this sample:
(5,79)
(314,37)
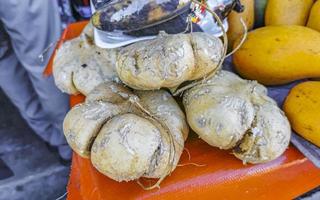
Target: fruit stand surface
(219,176)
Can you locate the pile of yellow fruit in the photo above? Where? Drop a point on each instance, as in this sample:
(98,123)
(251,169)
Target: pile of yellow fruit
(286,49)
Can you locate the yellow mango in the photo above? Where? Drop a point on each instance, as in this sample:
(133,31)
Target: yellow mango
(314,17)
(287,12)
(235,26)
(302,107)
(276,55)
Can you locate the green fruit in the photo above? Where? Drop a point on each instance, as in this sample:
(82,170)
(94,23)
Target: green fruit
(260,7)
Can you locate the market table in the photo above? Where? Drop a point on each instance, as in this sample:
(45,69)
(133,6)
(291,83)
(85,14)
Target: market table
(218,174)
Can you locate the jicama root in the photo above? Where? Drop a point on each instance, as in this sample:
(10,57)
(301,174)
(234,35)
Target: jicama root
(128,135)
(80,66)
(231,113)
(165,62)
(169,60)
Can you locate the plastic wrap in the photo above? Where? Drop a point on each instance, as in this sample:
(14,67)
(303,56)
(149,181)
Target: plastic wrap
(99,3)
(121,22)
(128,16)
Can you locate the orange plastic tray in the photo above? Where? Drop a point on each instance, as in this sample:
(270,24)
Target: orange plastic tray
(222,177)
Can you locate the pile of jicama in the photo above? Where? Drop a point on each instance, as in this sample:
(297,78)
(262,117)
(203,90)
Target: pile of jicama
(130,127)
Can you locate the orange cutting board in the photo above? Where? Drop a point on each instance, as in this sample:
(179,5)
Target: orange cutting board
(222,176)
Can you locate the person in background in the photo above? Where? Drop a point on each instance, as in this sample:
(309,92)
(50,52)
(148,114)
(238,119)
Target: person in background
(74,10)
(27,28)
(81,8)
(65,12)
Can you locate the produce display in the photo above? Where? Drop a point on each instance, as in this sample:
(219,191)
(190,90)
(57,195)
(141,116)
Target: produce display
(287,12)
(167,61)
(128,134)
(231,113)
(131,127)
(276,55)
(302,108)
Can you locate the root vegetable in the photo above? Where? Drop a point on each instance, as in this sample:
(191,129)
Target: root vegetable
(268,136)
(231,113)
(83,122)
(128,135)
(80,66)
(169,60)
